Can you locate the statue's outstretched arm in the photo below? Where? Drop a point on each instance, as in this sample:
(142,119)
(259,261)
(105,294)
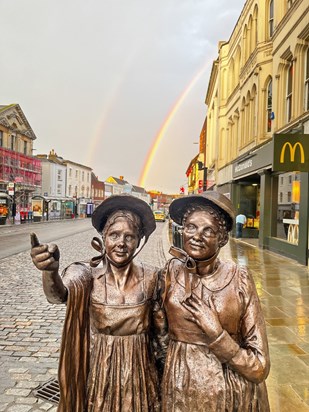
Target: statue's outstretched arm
(46,258)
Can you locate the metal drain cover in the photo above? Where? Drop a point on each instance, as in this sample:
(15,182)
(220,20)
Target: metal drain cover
(49,391)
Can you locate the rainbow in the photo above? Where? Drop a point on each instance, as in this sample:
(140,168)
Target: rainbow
(165,125)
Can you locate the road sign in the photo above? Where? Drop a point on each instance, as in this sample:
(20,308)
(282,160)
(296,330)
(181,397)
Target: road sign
(11,189)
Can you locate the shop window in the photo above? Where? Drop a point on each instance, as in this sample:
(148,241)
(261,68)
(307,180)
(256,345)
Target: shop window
(271,18)
(307,81)
(286,225)
(289,93)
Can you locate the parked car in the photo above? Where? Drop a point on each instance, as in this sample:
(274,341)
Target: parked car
(159,215)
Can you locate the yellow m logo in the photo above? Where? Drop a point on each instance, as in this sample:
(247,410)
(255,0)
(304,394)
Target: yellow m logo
(292,151)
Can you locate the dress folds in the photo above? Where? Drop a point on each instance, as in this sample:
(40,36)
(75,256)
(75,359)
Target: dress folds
(107,361)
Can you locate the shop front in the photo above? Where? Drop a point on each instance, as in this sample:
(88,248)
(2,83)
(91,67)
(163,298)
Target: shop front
(246,187)
(287,214)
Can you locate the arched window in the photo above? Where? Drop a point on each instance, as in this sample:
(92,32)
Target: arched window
(307,80)
(250,37)
(269,105)
(253,116)
(245,46)
(290,3)
(231,78)
(289,92)
(271,18)
(255,27)
(223,84)
(243,122)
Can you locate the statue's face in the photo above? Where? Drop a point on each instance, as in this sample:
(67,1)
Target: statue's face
(121,241)
(201,235)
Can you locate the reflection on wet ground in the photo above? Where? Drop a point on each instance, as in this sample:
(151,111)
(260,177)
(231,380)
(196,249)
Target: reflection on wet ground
(283,287)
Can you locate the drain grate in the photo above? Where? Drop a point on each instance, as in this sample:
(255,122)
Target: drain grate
(49,391)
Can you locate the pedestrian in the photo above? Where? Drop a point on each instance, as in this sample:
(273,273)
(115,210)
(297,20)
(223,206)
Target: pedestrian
(217,359)
(241,220)
(111,351)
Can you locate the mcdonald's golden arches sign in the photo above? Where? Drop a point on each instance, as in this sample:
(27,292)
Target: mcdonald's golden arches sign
(291,152)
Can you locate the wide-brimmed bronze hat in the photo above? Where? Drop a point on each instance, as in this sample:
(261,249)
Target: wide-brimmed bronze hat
(213,199)
(124,202)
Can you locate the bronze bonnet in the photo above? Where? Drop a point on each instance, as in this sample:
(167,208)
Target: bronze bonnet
(213,199)
(124,202)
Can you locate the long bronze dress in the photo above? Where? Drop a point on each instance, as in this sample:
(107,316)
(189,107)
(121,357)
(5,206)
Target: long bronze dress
(227,375)
(110,365)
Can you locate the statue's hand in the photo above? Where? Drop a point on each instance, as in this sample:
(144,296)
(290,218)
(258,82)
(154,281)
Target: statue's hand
(44,257)
(205,316)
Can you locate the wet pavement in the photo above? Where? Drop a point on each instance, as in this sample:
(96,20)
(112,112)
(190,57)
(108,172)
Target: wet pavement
(283,288)
(30,328)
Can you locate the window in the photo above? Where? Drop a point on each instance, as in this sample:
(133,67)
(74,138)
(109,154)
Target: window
(307,80)
(269,104)
(59,174)
(281,180)
(25,147)
(290,179)
(70,189)
(289,197)
(12,142)
(289,92)
(1,138)
(88,177)
(290,3)
(76,174)
(281,197)
(271,18)
(83,175)
(70,172)
(59,186)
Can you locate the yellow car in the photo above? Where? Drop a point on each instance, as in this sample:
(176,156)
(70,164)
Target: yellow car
(159,216)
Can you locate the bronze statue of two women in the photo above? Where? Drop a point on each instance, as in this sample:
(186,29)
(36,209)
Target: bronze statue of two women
(187,338)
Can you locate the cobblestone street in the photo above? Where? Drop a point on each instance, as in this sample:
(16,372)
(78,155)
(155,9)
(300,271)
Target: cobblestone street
(30,327)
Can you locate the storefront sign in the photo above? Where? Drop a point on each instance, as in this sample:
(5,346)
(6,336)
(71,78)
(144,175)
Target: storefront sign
(258,159)
(291,152)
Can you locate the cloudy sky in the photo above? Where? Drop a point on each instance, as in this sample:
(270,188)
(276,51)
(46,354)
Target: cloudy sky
(99,79)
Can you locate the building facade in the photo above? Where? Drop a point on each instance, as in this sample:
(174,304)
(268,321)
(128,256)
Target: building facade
(257,97)
(97,190)
(20,171)
(53,190)
(78,186)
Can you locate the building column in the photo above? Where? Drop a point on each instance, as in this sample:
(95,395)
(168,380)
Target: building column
(265,211)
